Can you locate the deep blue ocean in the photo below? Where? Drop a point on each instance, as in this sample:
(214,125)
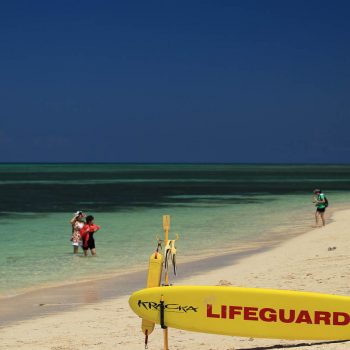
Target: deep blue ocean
(214,209)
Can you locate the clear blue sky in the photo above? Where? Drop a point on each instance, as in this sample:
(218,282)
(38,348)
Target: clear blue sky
(175,81)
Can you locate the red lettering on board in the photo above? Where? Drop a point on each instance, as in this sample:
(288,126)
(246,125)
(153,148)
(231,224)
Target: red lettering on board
(283,318)
(268,315)
(234,310)
(341,319)
(210,312)
(250,313)
(223,311)
(322,316)
(303,317)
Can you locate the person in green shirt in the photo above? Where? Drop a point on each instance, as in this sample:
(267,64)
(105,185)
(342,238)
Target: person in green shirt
(320,203)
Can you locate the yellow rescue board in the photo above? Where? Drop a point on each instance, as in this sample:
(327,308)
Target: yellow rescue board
(247,312)
(154,270)
(153,280)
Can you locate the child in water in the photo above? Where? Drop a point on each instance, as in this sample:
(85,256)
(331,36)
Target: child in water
(87,235)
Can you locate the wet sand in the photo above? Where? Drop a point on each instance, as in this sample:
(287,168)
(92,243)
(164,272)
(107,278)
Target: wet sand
(45,301)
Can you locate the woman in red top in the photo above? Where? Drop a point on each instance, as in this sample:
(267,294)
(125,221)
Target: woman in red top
(87,235)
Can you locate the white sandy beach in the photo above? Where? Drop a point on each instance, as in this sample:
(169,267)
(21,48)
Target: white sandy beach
(303,263)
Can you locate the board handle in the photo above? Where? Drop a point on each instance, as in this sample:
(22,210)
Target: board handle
(162,308)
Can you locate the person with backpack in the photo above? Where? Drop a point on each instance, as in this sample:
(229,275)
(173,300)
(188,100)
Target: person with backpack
(321,203)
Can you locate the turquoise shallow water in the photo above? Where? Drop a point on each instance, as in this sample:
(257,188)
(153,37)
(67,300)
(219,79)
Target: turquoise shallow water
(213,209)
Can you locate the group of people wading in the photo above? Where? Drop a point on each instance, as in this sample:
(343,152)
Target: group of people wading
(83,229)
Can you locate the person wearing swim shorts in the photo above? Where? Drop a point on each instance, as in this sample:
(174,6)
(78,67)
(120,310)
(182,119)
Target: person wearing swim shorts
(87,235)
(77,223)
(320,203)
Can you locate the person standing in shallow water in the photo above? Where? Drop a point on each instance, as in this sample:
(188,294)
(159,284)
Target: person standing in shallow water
(320,203)
(87,235)
(77,223)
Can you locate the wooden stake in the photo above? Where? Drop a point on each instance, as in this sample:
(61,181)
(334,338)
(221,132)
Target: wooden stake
(166,344)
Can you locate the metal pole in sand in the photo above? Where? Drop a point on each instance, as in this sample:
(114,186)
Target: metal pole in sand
(166,227)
